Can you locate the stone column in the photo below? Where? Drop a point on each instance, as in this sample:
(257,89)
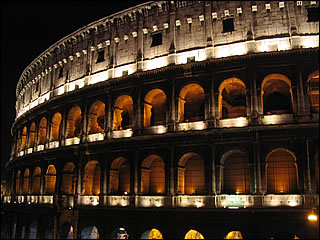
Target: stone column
(48,132)
(257,166)
(308,173)
(213,189)
(300,92)
(219,172)
(172,120)
(172,182)
(63,128)
(109,116)
(84,121)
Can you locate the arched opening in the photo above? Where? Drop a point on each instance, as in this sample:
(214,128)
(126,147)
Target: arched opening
(152,234)
(232,98)
(90,232)
(154,108)
(123,113)
(66,231)
(120,176)
(26,181)
(42,132)
(276,94)
(313,91)
(119,233)
(32,134)
(23,139)
(281,172)
(193,234)
(234,235)
(96,117)
(55,127)
(18,180)
(18,141)
(33,229)
(68,179)
(236,174)
(50,180)
(91,178)
(191,103)
(191,174)
(36,180)
(153,175)
(73,128)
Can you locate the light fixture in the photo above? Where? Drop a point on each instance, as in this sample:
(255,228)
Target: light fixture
(312,217)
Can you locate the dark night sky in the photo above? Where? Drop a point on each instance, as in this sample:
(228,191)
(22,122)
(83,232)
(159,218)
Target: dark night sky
(27,29)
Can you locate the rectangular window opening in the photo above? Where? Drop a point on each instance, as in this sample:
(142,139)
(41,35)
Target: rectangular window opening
(100,56)
(156,39)
(228,25)
(313,14)
(60,72)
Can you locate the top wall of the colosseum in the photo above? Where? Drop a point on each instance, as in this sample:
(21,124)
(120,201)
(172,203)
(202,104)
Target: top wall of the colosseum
(153,30)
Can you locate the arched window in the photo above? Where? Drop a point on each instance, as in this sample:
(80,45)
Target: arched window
(153,175)
(313,91)
(236,176)
(119,233)
(68,179)
(154,108)
(232,98)
(23,139)
(152,234)
(32,133)
(123,113)
(281,172)
(42,132)
(90,233)
(73,128)
(234,235)
(36,180)
(191,103)
(50,180)
(191,175)
(55,127)
(18,180)
(26,180)
(193,234)
(91,179)
(96,117)
(119,176)
(276,94)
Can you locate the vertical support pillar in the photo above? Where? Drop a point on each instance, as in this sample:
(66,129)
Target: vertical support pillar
(42,181)
(48,133)
(300,92)
(135,176)
(63,128)
(307,154)
(137,112)
(171,125)
(172,185)
(257,166)
(219,171)
(213,189)
(109,116)
(79,180)
(84,122)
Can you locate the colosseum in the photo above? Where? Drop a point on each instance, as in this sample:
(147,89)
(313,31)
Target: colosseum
(171,119)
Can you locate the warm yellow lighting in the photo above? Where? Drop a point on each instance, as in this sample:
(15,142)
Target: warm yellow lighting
(313,216)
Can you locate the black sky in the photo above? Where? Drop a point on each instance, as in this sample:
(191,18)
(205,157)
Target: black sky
(27,29)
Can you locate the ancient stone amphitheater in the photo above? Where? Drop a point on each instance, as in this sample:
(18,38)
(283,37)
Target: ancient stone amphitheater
(171,119)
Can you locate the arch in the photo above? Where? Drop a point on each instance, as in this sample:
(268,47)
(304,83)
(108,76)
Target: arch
(236,173)
(73,128)
(276,94)
(313,91)
(18,180)
(281,171)
(119,233)
(191,174)
(36,180)
(232,98)
(23,138)
(191,103)
(91,178)
(123,113)
(155,108)
(234,235)
(119,176)
(68,179)
(55,127)
(32,134)
(33,229)
(90,232)
(26,180)
(96,117)
(193,234)
(42,132)
(66,231)
(50,179)
(151,234)
(153,175)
